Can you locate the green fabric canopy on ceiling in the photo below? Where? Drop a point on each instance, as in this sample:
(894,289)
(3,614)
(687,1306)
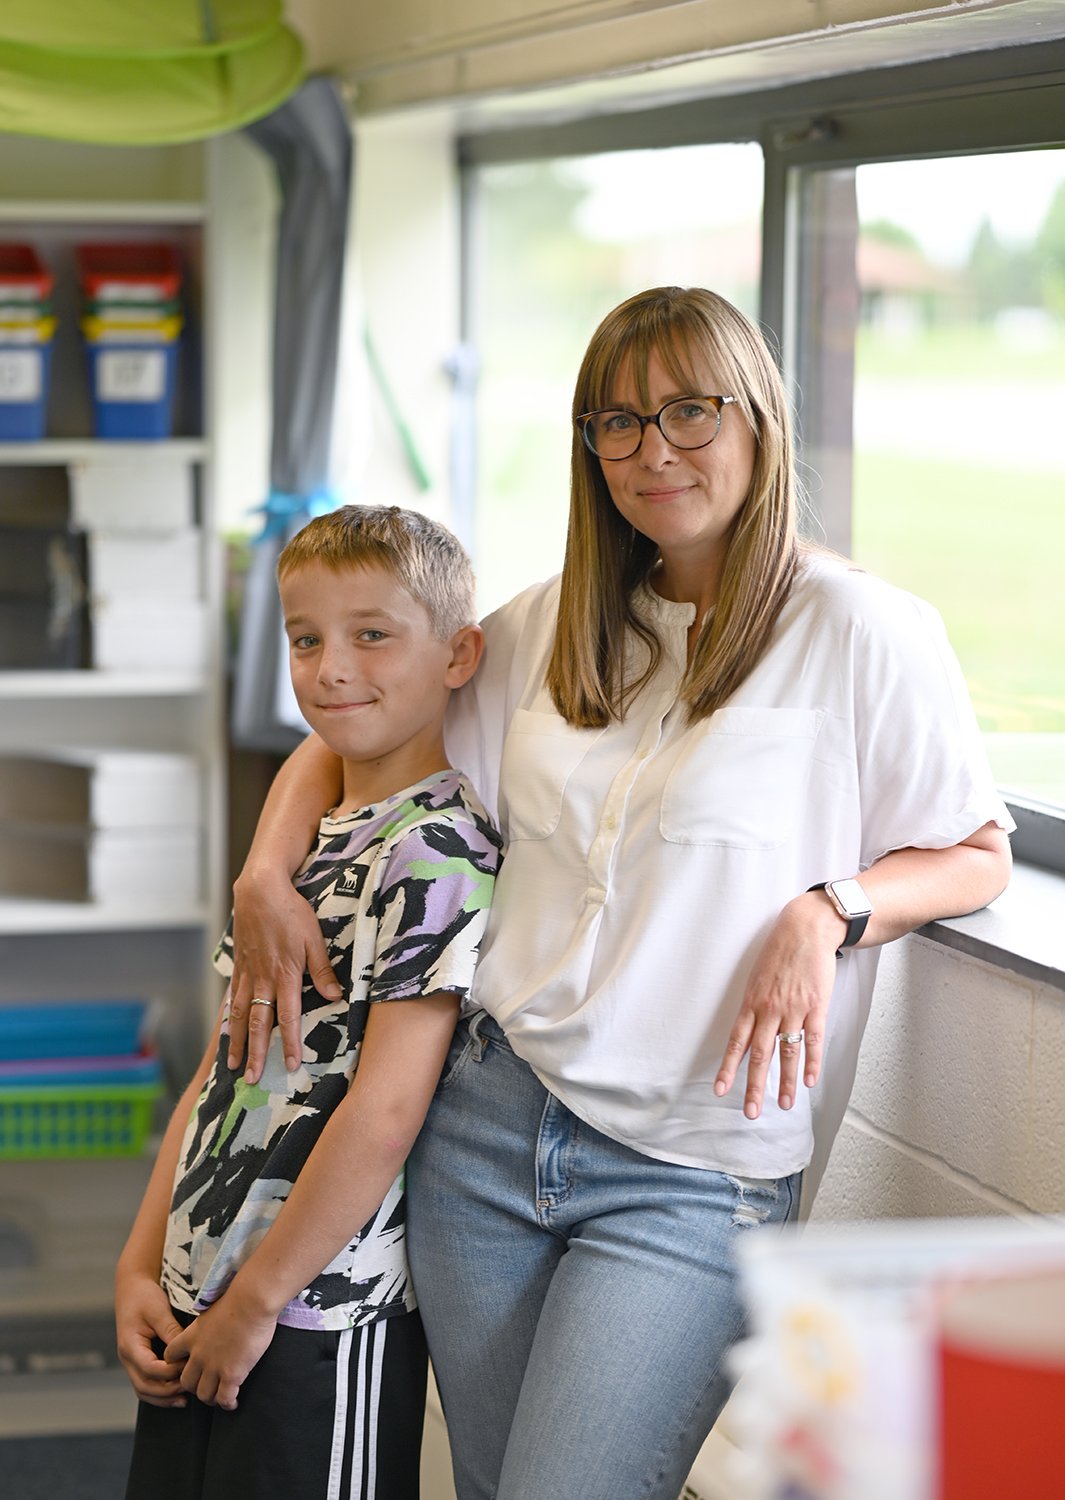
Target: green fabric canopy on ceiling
(138,72)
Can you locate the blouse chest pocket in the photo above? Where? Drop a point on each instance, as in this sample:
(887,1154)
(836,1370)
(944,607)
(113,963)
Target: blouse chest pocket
(741,780)
(540,754)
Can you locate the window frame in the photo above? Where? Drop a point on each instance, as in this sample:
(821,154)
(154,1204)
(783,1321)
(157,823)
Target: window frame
(976,103)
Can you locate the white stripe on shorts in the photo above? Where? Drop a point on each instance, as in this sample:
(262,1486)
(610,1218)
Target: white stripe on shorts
(373,1385)
(361,1350)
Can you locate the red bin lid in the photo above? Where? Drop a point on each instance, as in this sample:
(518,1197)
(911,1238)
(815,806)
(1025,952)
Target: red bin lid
(23,270)
(131,265)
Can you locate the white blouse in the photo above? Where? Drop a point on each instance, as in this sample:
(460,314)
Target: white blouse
(647,861)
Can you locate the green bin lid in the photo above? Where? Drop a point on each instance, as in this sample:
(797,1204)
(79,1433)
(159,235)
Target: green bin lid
(18,311)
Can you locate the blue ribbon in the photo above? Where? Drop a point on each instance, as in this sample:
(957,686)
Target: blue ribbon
(279,511)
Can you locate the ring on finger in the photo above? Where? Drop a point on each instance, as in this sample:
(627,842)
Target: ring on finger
(258,1000)
(790,1038)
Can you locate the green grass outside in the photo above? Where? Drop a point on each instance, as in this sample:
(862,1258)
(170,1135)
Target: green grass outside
(987,549)
(985,545)
(949,350)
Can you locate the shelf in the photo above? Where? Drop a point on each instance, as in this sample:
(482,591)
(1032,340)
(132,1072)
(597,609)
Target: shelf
(57,451)
(88,211)
(95,1401)
(57,195)
(26,918)
(88,683)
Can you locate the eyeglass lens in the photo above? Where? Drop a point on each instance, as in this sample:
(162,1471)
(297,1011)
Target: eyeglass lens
(691,422)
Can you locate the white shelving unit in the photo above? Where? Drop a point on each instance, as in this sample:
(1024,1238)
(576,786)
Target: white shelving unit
(55,195)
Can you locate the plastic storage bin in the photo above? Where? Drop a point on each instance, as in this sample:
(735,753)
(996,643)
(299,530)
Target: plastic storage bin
(74,1079)
(76,1120)
(25,379)
(26,331)
(132,326)
(71,1028)
(133,387)
(35,1072)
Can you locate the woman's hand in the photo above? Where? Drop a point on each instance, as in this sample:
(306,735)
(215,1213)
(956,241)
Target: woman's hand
(276,940)
(788,991)
(791,983)
(143,1317)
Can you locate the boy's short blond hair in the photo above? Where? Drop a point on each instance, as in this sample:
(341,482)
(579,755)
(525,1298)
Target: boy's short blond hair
(422,555)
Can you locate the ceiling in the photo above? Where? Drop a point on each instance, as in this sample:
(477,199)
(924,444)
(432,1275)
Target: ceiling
(502,62)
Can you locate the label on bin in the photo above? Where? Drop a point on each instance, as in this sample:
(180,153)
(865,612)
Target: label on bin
(130,374)
(20,375)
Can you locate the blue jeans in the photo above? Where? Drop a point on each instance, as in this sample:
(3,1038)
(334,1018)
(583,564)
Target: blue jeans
(578,1298)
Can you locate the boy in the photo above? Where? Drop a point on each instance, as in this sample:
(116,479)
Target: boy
(268,1254)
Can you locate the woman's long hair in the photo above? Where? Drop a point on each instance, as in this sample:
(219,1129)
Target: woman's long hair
(607,560)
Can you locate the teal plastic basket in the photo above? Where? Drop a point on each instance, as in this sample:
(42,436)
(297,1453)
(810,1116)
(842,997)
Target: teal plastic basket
(72,1120)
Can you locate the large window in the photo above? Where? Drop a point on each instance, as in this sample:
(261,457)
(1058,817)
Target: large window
(913,270)
(929,364)
(959,390)
(557,244)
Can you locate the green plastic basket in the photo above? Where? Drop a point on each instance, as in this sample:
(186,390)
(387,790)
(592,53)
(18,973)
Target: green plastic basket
(86,1120)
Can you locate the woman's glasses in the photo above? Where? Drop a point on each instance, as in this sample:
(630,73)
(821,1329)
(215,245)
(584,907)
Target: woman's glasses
(688,422)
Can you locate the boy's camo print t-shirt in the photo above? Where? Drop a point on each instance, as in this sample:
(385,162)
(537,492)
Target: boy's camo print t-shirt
(402,890)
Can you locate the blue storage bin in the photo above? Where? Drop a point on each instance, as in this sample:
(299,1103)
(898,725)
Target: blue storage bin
(132,387)
(25,379)
(64,1029)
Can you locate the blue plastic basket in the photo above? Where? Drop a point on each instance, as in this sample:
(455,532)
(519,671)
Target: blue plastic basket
(64,1029)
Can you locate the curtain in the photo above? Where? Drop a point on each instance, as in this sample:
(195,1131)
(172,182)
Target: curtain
(309,141)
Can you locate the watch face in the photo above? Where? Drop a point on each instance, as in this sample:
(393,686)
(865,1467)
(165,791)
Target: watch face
(851,897)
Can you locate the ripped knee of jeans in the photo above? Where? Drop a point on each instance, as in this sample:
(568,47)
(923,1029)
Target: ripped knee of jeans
(748,1213)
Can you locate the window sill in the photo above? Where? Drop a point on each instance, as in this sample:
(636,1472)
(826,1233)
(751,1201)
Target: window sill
(1022,931)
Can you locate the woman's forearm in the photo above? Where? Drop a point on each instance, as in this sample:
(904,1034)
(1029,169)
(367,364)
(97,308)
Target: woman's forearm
(790,985)
(276,936)
(910,887)
(306,786)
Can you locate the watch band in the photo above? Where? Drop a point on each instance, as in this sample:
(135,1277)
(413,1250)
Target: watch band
(855,913)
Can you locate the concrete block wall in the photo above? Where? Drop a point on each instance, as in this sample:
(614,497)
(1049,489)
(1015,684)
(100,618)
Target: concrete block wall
(959,1103)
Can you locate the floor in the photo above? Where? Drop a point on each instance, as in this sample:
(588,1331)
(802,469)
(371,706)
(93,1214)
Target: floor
(79,1466)
(66,1436)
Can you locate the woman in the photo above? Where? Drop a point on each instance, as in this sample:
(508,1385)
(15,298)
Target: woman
(686,736)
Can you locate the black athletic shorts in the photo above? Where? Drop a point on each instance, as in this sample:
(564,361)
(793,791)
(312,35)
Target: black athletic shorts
(322,1416)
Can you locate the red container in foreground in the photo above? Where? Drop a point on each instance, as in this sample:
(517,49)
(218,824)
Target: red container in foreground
(1001,1351)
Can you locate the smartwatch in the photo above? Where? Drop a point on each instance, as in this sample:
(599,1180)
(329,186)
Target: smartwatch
(853,905)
